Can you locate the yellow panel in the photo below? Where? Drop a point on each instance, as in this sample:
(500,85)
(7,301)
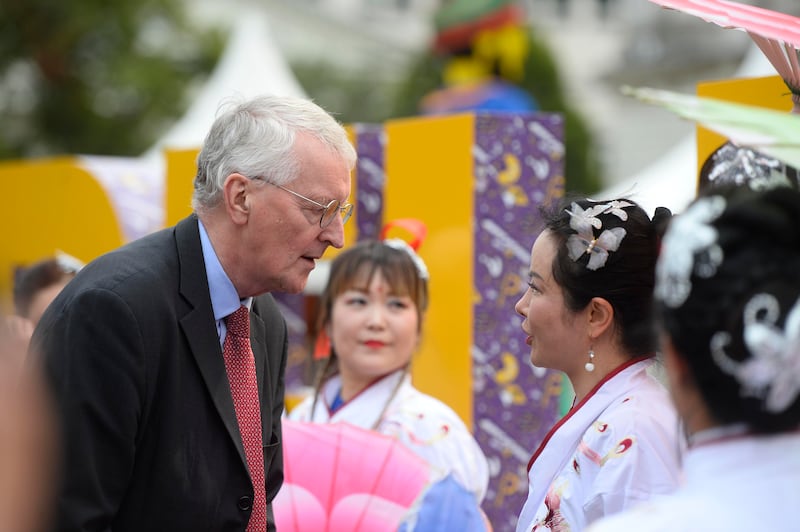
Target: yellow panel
(179,184)
(52,204)
(770,92)
(350,228)
(429,171)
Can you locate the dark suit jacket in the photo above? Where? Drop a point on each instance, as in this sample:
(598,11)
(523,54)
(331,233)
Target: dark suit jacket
(132,355)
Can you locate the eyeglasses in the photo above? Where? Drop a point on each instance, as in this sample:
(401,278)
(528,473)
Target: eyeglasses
(329,211)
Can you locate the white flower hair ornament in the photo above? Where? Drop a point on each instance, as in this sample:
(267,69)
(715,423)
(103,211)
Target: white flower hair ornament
(689,246)
(402,245)
(772,373)
(584,222)
(616,208)
(414,228)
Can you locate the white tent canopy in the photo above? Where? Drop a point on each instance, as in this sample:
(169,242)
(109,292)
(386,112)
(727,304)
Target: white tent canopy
(250,65)
(669,182)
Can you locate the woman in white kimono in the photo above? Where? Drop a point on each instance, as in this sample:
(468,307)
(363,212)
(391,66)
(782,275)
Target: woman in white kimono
(728,292)
(588,313)
(372,311)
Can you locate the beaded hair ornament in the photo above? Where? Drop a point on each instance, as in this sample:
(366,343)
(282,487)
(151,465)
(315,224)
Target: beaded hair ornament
(584,222)
(739,165)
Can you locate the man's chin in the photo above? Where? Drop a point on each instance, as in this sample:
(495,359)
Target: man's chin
(294,285)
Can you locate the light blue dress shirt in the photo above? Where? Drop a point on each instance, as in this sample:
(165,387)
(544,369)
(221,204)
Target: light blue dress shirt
(224,298)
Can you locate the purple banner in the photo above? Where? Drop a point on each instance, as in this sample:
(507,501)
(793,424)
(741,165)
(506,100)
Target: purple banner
(293,306)
(370,180)
(518,161)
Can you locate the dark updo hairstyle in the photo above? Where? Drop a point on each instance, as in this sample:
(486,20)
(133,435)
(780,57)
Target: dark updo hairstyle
(354,268)
(759,235)
(627,278)
(732,165)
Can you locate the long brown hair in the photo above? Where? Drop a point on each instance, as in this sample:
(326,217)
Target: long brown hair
(356,267)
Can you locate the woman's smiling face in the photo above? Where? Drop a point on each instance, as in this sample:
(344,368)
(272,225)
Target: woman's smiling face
(373,330)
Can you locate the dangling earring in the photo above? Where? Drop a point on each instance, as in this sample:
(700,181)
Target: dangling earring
(589,366)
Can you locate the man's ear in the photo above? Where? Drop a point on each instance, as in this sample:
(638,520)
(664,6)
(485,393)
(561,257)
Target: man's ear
(236,196)
(600,316)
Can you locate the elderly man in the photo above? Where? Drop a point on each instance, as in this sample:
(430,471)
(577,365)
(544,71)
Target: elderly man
(166,357)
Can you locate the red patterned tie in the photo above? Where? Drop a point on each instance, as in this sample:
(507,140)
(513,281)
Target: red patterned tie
(241,367)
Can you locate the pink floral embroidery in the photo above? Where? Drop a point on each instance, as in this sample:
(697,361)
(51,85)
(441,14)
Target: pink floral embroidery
(554,520)
(622,447)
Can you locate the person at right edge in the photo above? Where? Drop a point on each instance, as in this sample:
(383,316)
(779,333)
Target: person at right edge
(588,312)
(728,295)
(166,357)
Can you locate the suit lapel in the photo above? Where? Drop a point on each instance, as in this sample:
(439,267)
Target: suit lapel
(199,326)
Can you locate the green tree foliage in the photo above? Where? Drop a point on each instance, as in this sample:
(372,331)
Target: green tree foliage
(96,77)
(541,79)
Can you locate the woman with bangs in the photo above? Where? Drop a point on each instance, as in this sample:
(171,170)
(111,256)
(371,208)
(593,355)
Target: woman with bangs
(371,313)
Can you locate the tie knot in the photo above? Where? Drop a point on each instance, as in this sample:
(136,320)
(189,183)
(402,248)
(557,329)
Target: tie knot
(238,323)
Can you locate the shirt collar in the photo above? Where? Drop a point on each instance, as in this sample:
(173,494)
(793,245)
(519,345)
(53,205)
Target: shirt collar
(224,298)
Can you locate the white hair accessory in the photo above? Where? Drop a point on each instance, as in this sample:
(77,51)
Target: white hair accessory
(689,245)
(615,207)
(597,248)
(67,262)
(584,222)
(740,165)
(772,372)
(402,245)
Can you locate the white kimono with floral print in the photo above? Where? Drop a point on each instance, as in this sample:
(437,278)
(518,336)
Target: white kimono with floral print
(618,447)
(422,423)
